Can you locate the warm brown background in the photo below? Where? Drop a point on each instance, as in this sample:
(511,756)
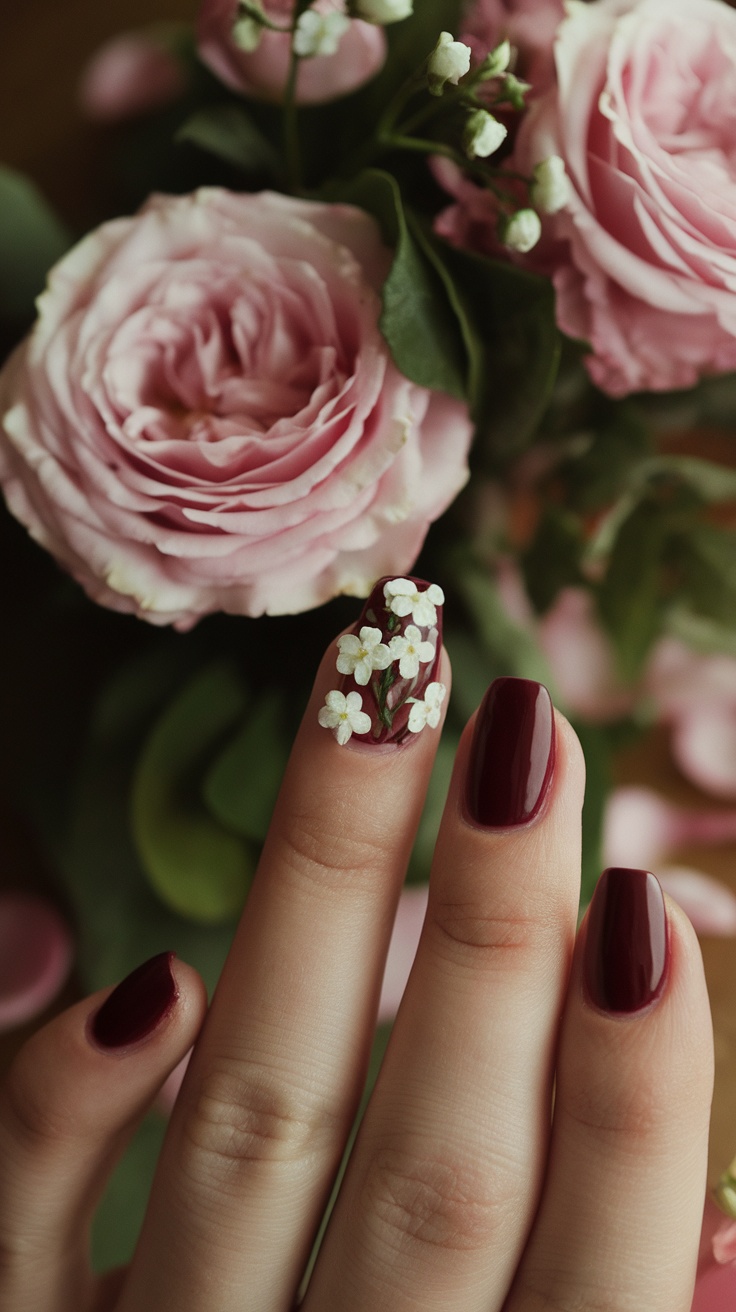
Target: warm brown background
(43,46)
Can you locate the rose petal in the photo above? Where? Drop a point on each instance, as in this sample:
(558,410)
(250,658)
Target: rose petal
(36,953)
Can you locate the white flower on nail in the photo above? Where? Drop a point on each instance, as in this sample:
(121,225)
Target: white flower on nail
(362,655)
(319,34)
(404,598)
(429,710)
(343,715)
(408,649)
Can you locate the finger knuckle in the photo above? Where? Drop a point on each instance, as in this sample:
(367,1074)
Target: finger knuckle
(471,935)
(329,852)
(245,1118)
(420,1201)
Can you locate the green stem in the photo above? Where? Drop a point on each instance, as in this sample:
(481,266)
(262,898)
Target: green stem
(419,146)
(292,152)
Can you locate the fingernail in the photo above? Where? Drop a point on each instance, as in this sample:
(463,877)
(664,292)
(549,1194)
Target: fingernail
(137,1005)
(626,947)
(386,688)
(512,755)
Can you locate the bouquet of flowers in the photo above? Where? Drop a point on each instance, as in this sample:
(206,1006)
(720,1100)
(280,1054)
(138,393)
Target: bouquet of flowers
(441,281)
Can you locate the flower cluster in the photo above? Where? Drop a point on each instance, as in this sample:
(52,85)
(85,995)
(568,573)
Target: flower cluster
(393,671)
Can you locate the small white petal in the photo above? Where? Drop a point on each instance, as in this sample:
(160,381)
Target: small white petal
(417,717)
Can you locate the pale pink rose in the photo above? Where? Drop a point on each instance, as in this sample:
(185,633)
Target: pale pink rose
(262,73)
(696,696)
(644,254)
(206,416)
(131,74)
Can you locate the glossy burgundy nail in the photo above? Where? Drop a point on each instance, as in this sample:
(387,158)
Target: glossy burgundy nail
(512,755)
(386,687)
(137,1005)
(627,945)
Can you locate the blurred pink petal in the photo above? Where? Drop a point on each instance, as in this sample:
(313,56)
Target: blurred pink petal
(724,1242)
(581,658)
(402,949)
(169,1091)
(641,827)
(36,954)
(709,904)
(715,1285)
(131,74)
(704,747)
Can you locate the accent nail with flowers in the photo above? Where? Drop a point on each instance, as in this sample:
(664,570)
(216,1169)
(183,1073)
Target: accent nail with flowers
(393,656)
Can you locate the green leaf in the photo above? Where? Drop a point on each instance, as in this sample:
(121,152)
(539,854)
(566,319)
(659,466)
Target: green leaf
(513,365)
(434,803)
(195,866)
(241,786)
(705,558)
(417,320)
(710,481)
(120,1215)
(227,132)
(32,239)
(598,783)
(552,561)
(629,598)
(512,649)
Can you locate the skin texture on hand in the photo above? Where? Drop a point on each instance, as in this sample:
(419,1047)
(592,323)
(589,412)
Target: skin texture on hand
(463,1191)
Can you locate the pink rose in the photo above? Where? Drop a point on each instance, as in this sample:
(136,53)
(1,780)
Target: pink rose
(131,74)
(645,268)
(262,73)
(206,416)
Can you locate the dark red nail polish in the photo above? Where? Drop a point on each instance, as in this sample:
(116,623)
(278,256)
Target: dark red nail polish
(512,756)
(386,688)
(137,1005)
(626,946)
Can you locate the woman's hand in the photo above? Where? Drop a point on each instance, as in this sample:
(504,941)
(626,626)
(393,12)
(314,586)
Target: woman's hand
(463,1192)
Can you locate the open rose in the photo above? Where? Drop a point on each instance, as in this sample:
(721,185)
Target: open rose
(206,416)
(263,72)
(643,116)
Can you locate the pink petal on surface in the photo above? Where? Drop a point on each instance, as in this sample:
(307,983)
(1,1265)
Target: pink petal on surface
(704,746)
(639,828)
(36,953)
(402,949)
(724,1242)
(709,905)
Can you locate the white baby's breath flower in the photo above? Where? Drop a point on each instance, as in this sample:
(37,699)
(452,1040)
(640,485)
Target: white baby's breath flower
(409,650)
(551,185)
(247,33)
(361,655)
(497,61)
(448,62)
(344,715)
(429,710)
(319,34)
(522,231)
(404,598)
(482,134)
(381,11)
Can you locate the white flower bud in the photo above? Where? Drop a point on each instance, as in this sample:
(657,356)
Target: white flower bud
(497,61)
(551,185)
(319,34)
(522,231)
(483,134)
(247,33)
(448,62)
(381,12)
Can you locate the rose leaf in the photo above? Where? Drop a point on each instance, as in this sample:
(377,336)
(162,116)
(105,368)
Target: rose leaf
(196,866)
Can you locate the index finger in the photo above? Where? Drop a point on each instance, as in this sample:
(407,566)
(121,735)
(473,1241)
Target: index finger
(270,1096)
